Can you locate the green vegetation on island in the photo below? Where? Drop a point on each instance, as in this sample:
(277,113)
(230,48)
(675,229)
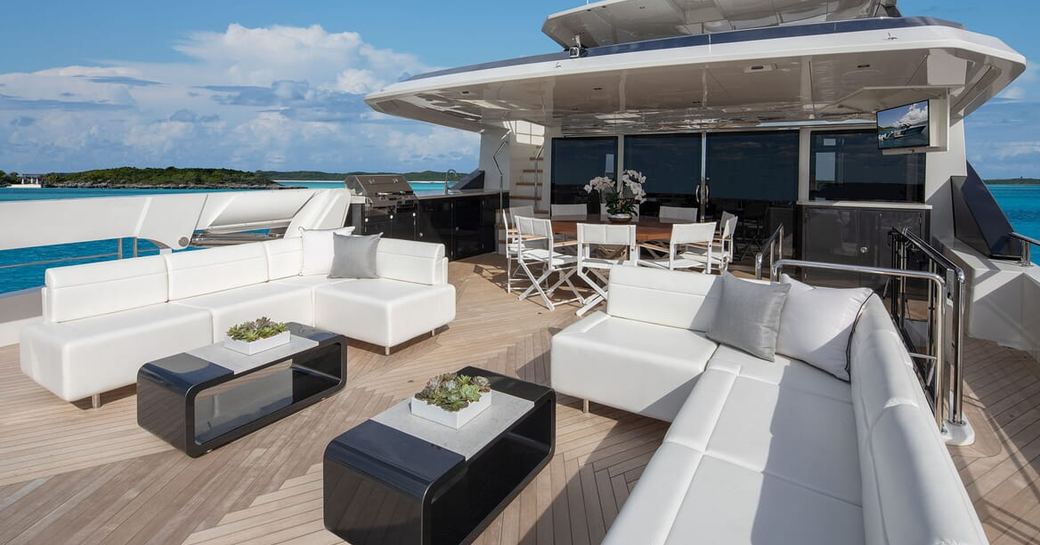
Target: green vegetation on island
(313,175)
(8,178)
(1014,181)
(167,178)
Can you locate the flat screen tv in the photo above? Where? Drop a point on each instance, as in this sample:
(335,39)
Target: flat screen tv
(904,127)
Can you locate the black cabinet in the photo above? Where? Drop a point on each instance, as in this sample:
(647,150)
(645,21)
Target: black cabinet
(854,236)
(465,224)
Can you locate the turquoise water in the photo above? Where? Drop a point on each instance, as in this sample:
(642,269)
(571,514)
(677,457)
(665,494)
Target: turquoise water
(1021,203)
(20,278)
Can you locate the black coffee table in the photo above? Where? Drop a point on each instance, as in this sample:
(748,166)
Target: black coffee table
(203,399)
(432,485)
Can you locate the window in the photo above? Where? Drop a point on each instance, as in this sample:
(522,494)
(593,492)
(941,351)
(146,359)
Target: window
(575,161)
(847,165)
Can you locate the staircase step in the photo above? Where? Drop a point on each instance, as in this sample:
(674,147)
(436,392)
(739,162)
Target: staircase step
(536,158)
(526,184)
(532,171)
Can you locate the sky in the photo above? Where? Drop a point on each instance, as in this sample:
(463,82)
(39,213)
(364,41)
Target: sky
(270,84)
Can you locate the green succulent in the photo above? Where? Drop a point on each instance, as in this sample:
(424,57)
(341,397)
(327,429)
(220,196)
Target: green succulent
(261,328)
(453,392)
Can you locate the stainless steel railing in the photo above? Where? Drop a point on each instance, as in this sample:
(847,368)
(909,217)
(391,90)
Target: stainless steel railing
(774,246)
(936,282)
(904,242)
(1027,244)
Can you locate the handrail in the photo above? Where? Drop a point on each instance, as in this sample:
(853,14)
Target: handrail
(1026,260)
(776,240)
(955,283)
(935,280)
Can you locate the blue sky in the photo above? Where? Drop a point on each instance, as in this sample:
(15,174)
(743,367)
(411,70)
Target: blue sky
(274,84)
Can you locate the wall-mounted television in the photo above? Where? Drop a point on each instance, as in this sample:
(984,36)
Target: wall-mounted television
(907,126)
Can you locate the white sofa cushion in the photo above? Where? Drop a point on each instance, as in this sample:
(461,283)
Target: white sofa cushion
(284,257)
(671,298)
(817,324)
(627,364)
(279,302)
(685,496)
(200,272)
(792,434)
(317,249)
(912,493)
(409,261)
(79,358)
(81,291)
(381,311)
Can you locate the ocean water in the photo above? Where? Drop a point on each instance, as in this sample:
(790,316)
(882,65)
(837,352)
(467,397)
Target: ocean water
(15,278)
(1021,203)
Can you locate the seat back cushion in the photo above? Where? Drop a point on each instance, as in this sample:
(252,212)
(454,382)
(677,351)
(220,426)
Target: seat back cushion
(748,317)
(317,249)
(217,269)
(671,298)
(912,493)
(82,291)
(284,257)
(816,325)
(410,261)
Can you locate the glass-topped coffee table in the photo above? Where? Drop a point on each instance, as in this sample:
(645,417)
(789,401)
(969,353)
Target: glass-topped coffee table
(398,479)
(206,398)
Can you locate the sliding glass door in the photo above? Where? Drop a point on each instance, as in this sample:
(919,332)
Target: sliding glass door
(575,161)
(755,176)
(672,166)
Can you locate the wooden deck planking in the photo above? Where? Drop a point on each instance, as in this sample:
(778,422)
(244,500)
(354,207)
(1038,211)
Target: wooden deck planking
(72,475)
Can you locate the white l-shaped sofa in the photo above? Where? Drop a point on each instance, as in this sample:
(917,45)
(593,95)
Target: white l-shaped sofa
(763,452)
(103,321)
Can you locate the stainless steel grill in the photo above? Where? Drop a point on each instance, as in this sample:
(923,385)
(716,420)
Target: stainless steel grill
(383,191)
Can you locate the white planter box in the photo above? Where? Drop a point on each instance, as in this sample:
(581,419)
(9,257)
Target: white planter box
(454,420)
(256,347)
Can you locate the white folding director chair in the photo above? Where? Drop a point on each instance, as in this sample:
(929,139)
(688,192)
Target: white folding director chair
(593,269)
(537,249)
(512,239)
(689,248)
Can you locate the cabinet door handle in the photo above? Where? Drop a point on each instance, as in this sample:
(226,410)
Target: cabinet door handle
(863,249)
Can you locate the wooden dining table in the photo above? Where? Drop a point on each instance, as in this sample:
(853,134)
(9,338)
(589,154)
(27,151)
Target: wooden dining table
(647,229)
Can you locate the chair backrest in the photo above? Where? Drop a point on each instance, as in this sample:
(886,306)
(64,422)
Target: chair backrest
(530,229)
(693,233)
(729,225)
(677,213)
(602,234)
(569,210)
(93,289)
(509,222)
(411,261)
(514,211)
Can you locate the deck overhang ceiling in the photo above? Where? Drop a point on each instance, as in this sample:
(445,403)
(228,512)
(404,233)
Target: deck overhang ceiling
(623,21)
(746,84)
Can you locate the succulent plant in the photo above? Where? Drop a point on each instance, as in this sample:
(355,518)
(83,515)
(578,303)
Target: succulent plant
(453,392)
(261,328)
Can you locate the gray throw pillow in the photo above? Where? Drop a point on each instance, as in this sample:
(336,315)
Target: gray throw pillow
(748,316)
(354,256)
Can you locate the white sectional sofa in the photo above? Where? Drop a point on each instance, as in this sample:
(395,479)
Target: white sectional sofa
(763,452)
(102,321)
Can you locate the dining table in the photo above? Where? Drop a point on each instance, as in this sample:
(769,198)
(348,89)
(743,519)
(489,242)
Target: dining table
(647,229)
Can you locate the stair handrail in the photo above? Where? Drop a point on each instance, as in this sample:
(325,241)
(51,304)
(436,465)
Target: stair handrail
(774,245)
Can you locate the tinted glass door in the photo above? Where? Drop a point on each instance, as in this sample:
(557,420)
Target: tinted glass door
(575,161)
(672,166)
(755,176)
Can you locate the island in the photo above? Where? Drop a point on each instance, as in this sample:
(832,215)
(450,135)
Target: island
(315,175)
(1014,181)
(160,178)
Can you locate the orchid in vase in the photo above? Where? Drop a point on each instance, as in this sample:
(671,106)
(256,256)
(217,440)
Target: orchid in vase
(621,197)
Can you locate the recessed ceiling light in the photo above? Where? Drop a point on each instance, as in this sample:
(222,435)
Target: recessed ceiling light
(597,88)
(465,92)
(862,66)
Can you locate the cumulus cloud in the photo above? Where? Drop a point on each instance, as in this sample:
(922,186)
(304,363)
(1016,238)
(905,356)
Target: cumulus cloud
(270,97)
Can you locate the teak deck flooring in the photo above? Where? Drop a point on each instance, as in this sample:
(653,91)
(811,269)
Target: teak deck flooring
(73,475)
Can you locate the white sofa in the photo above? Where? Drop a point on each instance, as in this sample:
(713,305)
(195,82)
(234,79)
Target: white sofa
(763,452)
(102,321)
